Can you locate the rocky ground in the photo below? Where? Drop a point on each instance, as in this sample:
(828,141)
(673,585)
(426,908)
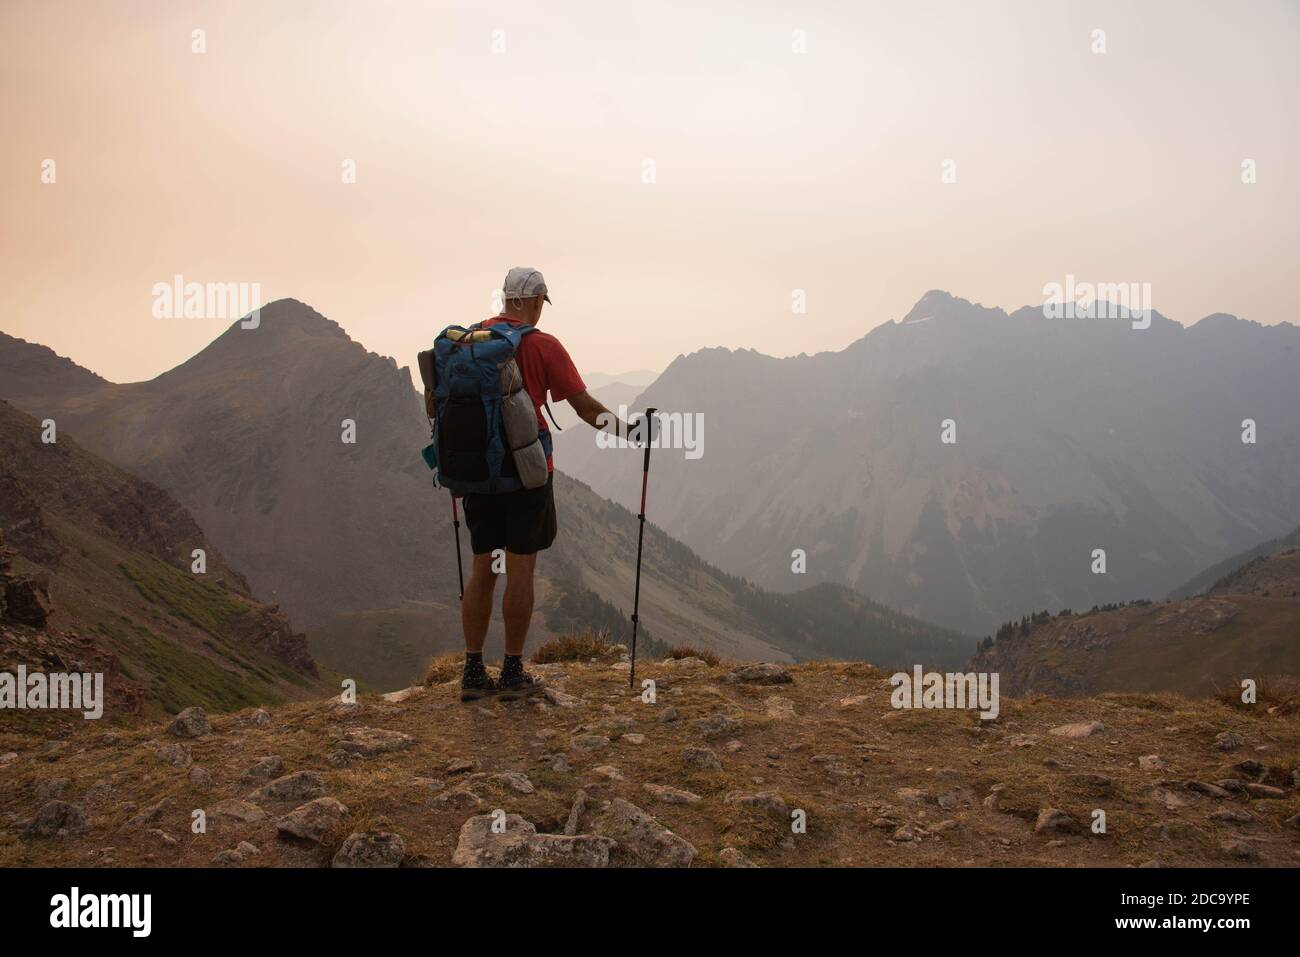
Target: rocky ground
(721,770)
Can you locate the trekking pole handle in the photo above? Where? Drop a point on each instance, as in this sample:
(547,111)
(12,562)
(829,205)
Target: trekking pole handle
(645,462)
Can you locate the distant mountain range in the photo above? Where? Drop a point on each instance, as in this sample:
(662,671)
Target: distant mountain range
(355,543)
(1070,436)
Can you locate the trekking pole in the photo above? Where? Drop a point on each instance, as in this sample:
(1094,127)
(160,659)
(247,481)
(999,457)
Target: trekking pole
(455,523)
(640,537)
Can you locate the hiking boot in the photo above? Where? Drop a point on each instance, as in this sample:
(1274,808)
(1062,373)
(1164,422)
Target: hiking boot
(518,685)
(476,684)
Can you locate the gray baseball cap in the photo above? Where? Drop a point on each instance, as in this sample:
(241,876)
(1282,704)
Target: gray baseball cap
(524,282)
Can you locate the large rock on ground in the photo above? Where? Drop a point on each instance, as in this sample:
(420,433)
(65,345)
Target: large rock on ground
(56,819)
(370,849)
(642,837)
(519,845)
(310,821)
(369,742)
(761,673)
(235,811)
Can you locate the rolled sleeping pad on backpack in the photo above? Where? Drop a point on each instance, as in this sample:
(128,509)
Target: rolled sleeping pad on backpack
(430,379)
(519,421)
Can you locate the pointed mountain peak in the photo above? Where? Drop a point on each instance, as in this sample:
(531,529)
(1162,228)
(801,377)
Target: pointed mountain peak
(287,317)
(940,304)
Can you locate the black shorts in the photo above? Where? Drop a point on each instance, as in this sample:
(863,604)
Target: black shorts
(522,522)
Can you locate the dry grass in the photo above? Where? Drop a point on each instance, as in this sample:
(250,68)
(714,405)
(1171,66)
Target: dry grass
(686,651)
(1279,693)
(581,646)
(444,668)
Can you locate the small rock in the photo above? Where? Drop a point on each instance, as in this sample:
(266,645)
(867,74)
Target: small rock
(150,814)
(730,857)
(702,759)
(1229,815)
(1151,762)
(779,708)
(716,725)
(573,824)
(671,795)
(461,799)
(1264,791)
(1241,850)
(161,837)
(768,801)
(669,715)
(609,771)
(190,723)
(265,769)
(513,781)
(633,738)
(558,698)
(177,755)
(589,742)
(1209,790)
(1080,729)
(261,717)
(369,742)
(200,779)
(1055,821)
(236,811)
(1228,741)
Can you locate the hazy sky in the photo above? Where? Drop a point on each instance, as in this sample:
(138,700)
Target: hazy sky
(775,170)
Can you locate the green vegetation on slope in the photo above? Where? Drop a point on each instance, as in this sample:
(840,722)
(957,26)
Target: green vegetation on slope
(185,596)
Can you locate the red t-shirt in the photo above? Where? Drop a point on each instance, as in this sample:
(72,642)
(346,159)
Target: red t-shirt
(546,367)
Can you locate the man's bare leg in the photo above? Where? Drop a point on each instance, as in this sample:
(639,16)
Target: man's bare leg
(476,606)
(517,602)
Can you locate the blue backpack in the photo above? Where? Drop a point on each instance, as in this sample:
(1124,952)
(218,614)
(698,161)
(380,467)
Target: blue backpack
(486,439)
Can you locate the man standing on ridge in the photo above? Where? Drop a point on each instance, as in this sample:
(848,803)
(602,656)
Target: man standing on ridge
(521,522)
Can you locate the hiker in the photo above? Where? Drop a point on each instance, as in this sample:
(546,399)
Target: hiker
(522,520)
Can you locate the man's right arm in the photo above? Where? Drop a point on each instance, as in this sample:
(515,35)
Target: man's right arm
(592,411)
